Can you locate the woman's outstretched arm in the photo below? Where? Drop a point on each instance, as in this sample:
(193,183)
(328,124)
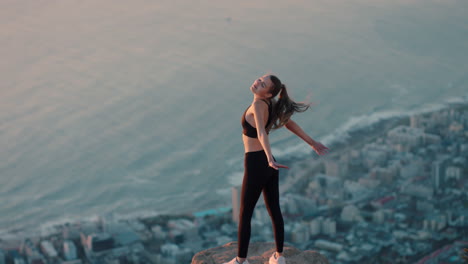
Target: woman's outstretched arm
(259,109)
(318,147)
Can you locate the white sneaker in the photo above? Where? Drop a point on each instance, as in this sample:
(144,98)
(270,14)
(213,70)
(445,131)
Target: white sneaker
(234,261)
(274,260)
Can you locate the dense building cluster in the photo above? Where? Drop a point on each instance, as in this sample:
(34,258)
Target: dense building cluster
(398,198)
(401,198)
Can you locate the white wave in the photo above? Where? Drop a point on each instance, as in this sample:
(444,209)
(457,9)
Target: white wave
(136,214)
(139,180)
(341,134)
(235,178)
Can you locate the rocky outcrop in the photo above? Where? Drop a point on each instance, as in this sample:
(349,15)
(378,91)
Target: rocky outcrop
(259,253)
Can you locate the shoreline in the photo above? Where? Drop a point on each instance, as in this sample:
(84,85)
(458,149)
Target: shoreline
(354,139)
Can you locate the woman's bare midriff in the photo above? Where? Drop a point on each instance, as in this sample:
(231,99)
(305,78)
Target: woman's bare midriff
(251,144)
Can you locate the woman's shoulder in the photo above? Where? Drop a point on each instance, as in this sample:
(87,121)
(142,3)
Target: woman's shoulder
(259,108)
(260,104)
(263,102)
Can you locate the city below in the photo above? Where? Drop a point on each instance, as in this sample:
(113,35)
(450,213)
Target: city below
(394,192)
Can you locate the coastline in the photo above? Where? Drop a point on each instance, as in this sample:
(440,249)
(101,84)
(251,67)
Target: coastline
(355,138)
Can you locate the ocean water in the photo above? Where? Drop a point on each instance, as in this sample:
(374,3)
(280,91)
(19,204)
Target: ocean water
(134,107)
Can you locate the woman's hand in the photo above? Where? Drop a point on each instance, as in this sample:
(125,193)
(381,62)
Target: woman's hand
(297,130)
(275,165)
(319,148)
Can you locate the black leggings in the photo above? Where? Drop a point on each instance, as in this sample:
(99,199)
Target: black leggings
(258,177)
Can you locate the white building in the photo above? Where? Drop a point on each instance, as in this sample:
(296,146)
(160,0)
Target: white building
(327,245)
(297,204)
(332,186)
(300,233)
(351,213)
(405,138)
(378,217)
(441,117)
(315,226)
(417,190)
(97,244)
(169,250)
(290,205)
(185,226)
(456,128)
(454,172)
(69,250)
(29,249)
(438,173)
(354,190)
(236,199)
(458,218)
(374,154)
(369,182)
(385,174)
(48,249)
(321,225)
(329,227)
(412,169)
(158,232)
(420,121)
(337,168)
(435,222)
(431,139)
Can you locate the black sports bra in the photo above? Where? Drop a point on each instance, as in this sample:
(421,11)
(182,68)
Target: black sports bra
(248,129)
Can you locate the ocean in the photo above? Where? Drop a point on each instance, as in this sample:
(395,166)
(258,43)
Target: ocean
(133,108)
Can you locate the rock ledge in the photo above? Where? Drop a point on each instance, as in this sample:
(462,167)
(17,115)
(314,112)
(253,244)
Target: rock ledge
(259,253)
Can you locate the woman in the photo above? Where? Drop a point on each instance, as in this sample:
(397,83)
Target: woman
(261,168)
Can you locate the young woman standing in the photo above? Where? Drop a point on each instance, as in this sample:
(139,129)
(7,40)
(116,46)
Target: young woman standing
(261,169)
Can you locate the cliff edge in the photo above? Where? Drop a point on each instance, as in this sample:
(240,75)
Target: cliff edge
(259,253)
